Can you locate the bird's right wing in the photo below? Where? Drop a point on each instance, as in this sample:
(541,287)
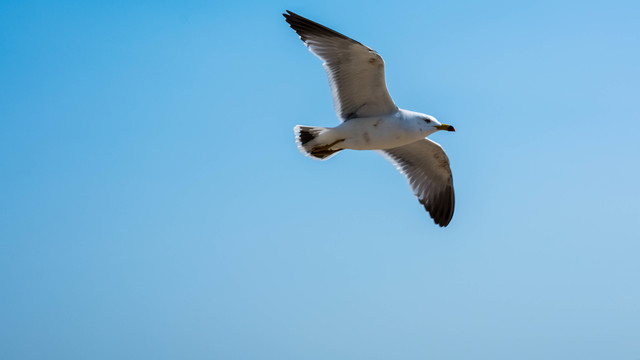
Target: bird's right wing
(426,166)
(356,72)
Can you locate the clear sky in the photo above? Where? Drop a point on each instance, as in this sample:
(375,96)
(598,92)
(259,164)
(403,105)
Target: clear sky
(153,204)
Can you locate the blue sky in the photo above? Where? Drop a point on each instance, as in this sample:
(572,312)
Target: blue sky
(153,203)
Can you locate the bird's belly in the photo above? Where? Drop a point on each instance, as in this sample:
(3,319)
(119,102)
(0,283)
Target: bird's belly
(376,134)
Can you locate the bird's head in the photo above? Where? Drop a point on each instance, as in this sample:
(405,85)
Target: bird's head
(435,124)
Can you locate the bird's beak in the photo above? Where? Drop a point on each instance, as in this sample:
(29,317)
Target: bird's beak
(445,127)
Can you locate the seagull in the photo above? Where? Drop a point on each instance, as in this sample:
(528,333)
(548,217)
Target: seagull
(370,120)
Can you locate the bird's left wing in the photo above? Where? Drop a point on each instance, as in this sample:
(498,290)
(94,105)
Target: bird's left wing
(426,166)
(356,72)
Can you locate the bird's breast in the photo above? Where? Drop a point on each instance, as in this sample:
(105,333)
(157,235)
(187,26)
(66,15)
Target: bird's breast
(377,133)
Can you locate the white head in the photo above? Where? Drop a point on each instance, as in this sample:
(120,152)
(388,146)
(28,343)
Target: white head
(431,124)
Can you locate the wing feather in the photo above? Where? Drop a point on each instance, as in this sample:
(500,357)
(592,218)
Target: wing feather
(426,166)
(355,71)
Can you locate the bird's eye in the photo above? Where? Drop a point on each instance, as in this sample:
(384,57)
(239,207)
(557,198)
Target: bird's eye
(427,121)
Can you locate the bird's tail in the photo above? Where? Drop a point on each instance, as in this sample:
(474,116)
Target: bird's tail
(313,144)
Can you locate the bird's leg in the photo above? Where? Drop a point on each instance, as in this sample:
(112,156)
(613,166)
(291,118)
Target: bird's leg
(323,151)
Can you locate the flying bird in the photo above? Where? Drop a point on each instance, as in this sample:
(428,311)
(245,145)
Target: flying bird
(370,120)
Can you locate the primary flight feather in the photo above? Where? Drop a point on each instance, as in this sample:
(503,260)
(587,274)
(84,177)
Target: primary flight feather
(372,121)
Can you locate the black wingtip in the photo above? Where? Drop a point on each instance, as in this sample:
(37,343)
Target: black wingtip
(440,213)
(305,27)
(288,13)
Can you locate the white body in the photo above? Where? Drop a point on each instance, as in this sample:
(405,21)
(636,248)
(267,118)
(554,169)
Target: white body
(380,132)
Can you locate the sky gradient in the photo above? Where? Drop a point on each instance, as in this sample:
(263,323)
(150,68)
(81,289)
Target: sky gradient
(153,203)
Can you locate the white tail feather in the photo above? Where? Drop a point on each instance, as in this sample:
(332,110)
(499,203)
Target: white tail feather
(309,142)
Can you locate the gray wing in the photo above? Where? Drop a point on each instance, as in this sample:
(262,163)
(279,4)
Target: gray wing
(426,166)
(356,72)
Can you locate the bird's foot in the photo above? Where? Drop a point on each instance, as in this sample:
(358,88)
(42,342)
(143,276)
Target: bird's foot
(322,151)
